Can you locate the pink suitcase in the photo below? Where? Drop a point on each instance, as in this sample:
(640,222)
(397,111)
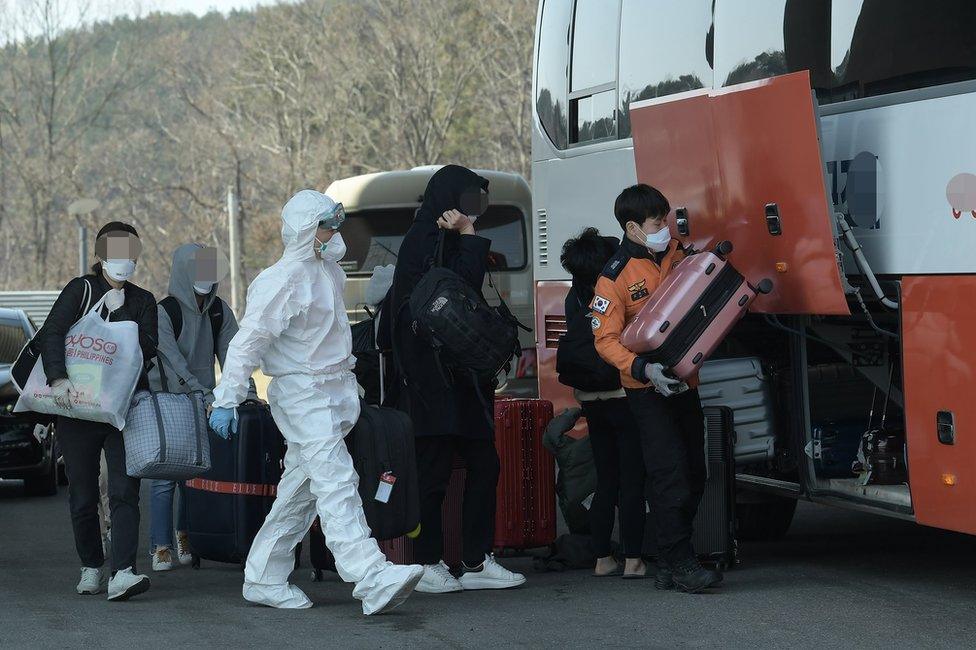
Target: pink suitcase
(692,311)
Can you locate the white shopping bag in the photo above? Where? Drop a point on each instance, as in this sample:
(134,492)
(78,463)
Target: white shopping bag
(104,361)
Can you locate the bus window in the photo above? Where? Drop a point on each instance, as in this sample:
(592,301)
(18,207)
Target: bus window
(593,71)
(373,237)
(766,38)
(885,46)
(662,50)
(553,70)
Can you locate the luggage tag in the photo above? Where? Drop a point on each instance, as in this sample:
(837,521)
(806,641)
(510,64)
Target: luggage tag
(385,488)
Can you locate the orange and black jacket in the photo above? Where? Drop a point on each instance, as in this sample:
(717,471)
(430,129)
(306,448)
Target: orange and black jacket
(628,280)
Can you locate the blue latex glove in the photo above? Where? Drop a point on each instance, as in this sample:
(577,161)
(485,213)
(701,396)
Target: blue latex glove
(224,422)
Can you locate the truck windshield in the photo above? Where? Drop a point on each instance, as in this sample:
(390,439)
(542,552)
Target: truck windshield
(12,340)
(373,237)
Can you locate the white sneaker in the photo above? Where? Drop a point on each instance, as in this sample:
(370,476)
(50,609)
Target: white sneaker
(93,581)
(286,596)
(183,553)
(125,584)
(162,559)
(438,580)
(394,585)
(492,575)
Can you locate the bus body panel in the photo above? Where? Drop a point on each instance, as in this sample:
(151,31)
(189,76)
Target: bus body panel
(911,153)
(939,365)
(731,153)
(550,323)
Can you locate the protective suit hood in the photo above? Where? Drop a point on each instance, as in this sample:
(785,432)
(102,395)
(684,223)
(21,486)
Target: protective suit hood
(299,221)
(444,191)
(181,278)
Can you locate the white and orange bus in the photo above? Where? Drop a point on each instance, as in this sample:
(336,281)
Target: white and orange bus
(892,87)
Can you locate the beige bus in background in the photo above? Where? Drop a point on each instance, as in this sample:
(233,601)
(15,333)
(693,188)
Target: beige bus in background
(380,208)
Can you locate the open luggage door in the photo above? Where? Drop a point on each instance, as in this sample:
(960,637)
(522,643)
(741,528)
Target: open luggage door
(743,163)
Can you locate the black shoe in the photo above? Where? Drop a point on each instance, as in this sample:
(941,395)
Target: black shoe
(663,579)
(691,577)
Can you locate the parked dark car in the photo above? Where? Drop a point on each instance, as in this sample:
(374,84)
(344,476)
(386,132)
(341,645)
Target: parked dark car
(28,447)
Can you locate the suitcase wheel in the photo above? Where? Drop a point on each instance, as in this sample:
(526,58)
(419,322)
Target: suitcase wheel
(196,561)
(316,575)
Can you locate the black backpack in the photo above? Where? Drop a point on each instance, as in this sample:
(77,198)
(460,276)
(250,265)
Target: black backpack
(368,358)
(465,331)
(578,364)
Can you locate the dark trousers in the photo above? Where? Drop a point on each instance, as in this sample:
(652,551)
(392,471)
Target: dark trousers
(435,455)
(672,431)
(619,463)
(81,445)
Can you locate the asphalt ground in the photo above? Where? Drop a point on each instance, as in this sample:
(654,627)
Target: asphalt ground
(838,579)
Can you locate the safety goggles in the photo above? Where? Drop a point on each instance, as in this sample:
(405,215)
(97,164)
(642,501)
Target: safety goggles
(334,218)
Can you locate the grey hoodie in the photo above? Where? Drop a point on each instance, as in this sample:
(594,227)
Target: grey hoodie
(189,361)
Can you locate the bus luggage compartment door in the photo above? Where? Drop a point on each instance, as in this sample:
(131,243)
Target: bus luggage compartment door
(745,164)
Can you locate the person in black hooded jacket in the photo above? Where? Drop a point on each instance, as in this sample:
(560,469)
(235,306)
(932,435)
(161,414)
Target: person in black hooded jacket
(450,415)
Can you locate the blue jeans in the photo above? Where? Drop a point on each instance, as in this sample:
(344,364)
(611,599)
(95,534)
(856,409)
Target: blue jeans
(161,512)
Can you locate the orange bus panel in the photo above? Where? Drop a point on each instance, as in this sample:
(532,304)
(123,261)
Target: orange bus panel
(727,154)
(939,366)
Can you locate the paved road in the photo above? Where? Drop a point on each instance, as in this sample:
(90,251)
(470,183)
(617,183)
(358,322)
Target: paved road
(838,580)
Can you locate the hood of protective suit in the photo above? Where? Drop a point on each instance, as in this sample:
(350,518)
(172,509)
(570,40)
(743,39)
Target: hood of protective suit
(181,278)
(444,190)
(299,221)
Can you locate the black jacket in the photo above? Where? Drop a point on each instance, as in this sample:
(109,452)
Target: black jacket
(139,306)
(437,407)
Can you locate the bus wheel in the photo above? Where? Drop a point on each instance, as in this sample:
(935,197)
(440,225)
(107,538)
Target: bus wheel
(766,520)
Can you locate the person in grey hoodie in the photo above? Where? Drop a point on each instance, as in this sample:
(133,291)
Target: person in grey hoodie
(187,348)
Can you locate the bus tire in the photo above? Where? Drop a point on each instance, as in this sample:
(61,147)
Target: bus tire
(765,521)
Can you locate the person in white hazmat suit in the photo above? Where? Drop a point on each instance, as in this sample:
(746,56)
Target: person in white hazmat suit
(295,326)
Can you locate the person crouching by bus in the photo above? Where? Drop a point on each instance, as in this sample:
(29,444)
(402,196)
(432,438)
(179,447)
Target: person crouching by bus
(614,437)
(187,349)
(668,412)
(117,248)
(454,417)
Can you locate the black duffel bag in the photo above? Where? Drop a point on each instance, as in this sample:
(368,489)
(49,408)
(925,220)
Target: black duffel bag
(465,331)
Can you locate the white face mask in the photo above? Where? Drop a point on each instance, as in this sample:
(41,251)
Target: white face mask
(119,270)
(658,241)
(202,288)
(332,250)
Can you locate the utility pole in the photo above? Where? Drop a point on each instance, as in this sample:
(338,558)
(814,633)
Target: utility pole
(78,209)
(235,241)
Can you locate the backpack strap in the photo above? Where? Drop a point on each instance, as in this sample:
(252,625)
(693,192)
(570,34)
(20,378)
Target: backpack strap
(172,307)
(216,313)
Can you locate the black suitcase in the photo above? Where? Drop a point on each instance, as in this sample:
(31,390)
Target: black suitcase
(714,526)
(381,442)
(226,506)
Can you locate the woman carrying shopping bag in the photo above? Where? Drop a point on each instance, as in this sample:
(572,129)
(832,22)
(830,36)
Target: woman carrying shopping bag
(117,248)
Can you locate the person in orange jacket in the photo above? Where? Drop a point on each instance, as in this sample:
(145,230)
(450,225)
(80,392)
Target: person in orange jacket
(668,411)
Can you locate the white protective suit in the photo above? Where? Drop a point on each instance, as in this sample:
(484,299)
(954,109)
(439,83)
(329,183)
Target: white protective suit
(296,327)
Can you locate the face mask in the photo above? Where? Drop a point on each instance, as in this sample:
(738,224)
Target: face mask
(202,288)
(332,250)
(119,270)
(658,242)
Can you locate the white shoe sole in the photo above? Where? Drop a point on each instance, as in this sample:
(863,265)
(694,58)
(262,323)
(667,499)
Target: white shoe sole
(400,595)
(88,592)
(432,589)
(162,567)
(477,583)
(260,600)
(132,590)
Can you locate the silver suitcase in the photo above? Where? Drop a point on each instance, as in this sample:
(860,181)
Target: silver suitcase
(741,385)
(166,436)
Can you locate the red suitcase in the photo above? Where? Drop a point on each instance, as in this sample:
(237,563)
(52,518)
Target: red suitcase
(692,311)
(525,511)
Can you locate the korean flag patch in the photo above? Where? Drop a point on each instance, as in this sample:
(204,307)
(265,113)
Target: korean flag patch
(600,304)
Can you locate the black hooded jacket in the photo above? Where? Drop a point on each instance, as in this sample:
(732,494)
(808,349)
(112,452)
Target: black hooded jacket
(438,407)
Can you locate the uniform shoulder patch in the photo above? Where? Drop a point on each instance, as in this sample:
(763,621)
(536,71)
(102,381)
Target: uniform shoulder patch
(615,264)
(595,323)
(600,305)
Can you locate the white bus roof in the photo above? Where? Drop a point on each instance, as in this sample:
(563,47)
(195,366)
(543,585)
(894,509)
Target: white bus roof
(405,187)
